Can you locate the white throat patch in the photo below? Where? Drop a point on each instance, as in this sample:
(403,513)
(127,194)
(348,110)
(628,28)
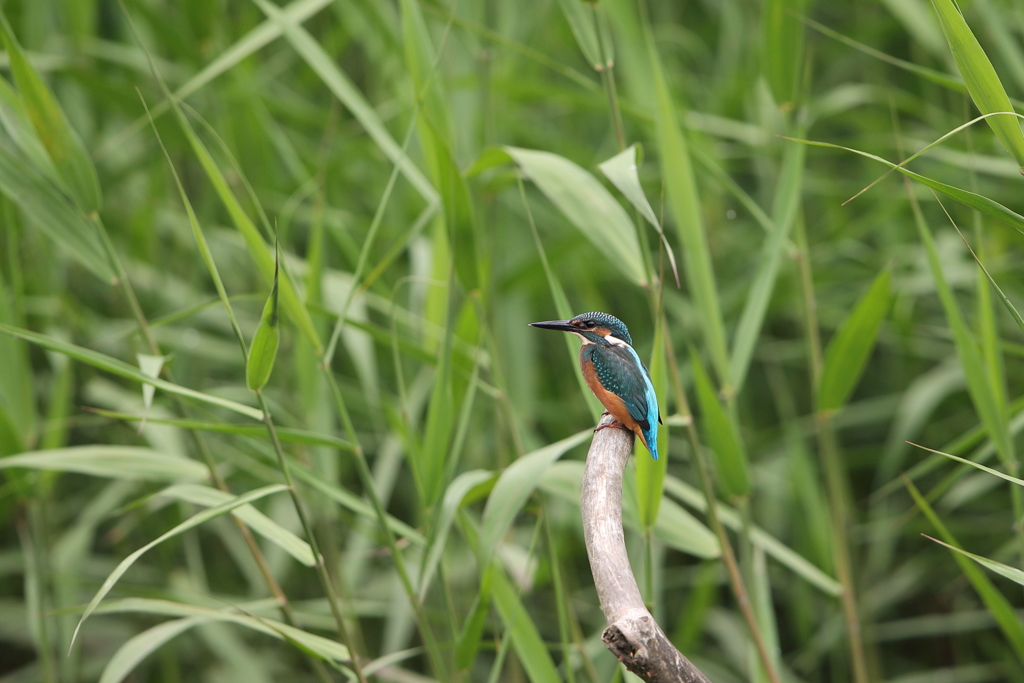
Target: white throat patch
(615,341)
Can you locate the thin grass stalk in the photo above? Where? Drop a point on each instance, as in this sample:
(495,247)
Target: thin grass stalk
(832,465)
(991,348)
(145,330)
(366,476)
(608,80)
(561,604)
(307,528)
(34,586)
(378,217)
(736,582)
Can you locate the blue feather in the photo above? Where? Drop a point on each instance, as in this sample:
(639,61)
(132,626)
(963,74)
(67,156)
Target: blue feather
(653,413)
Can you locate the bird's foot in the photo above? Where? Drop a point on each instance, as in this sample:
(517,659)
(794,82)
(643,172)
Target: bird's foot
(613,423)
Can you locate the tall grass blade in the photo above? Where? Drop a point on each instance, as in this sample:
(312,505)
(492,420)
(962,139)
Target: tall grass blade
(721,435)
(983,394)
(533,652)
(980,76)
(684,201)
(65,147)
(347,93)
(784,215)
(116,462)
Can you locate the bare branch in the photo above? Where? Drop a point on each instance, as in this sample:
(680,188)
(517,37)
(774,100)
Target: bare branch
(632,634)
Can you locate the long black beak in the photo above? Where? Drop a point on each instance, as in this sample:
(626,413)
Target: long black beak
(562,325)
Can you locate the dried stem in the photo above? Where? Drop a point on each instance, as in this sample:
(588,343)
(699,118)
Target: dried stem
(632,634)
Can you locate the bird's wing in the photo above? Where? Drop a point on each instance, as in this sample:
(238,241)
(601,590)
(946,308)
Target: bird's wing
(620,371)
(648,373)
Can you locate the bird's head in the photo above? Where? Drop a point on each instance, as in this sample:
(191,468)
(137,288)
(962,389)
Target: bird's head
(592,328)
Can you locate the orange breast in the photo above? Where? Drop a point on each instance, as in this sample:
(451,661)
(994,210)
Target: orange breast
(612,403)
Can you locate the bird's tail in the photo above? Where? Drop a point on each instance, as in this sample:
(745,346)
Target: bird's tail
(650,440)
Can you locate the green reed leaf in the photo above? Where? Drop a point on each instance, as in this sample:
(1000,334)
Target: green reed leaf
(848,351)
(721,435)
(980,77)
(263,350)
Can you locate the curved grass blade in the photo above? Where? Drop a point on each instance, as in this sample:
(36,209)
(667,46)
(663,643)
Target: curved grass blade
(848,350)
(587,205)
(515,485)
(975,201)
(140,646)
(454,498)
(581,18)
(782,553)
(256,520)
(622,170)
(675,526)
(285,434)
(118,367)
(995,602)
(190,523)
(1006,571)
(322,647)
(965,461)
(116,462)
(938,77)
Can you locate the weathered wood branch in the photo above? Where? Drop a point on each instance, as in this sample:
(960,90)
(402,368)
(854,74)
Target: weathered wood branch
(632,634)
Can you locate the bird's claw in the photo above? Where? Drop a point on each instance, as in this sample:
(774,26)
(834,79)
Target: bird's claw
(613,423)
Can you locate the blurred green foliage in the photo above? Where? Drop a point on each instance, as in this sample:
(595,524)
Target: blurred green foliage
(434,172)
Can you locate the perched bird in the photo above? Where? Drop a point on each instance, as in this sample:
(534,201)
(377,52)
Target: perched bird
(615,373)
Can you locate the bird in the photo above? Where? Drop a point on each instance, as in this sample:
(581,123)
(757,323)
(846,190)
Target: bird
(615,373)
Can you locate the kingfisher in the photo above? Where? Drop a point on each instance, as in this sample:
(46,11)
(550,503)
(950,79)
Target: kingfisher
(615,373)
